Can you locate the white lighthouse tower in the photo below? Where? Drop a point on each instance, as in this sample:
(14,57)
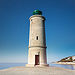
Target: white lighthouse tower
(37,41)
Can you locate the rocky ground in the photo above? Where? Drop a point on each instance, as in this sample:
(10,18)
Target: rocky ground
(37,71)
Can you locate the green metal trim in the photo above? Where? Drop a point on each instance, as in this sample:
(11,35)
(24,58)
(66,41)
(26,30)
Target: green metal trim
(37,12)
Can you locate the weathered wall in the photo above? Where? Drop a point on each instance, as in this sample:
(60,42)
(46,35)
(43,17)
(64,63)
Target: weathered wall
(37,46)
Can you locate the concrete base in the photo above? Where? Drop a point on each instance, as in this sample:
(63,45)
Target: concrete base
(33,65)
(29,65)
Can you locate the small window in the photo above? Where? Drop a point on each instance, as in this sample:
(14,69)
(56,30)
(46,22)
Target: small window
(31,19)
(36,37)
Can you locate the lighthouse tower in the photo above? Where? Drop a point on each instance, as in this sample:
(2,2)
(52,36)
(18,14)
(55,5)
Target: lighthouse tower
(37,41)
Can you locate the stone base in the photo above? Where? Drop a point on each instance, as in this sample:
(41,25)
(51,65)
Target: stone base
(33,65)
(30,65)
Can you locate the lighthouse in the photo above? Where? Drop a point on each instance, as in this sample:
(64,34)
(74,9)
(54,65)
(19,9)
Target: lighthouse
(37,41)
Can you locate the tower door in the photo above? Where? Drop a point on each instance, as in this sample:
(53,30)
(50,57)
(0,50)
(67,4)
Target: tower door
(36,59)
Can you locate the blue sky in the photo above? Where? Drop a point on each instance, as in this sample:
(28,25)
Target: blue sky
(14,28)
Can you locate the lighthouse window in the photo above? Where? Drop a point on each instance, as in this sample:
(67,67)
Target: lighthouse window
(36,37)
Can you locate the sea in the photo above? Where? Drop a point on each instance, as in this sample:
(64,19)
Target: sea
(9,65)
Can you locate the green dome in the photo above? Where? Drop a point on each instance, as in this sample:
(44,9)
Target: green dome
(37,12)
